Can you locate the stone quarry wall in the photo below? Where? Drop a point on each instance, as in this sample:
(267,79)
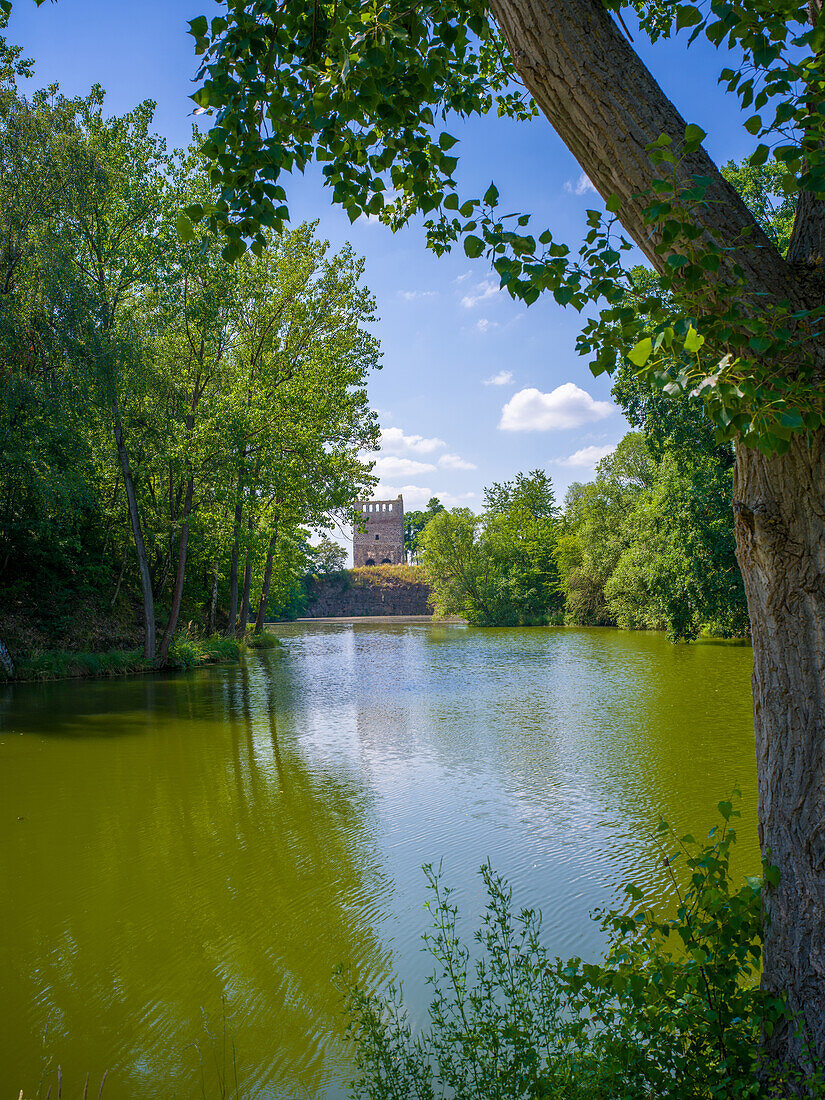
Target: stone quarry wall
(374,590)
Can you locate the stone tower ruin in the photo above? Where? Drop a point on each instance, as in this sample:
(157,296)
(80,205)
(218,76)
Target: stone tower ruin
(378,533)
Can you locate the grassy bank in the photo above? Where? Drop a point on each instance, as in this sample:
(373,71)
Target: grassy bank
(386,576)
(185,653)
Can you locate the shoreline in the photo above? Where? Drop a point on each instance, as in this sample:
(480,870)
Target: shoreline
(189,654)
(184,655)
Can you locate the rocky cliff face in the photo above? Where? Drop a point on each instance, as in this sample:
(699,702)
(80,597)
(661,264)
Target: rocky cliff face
(379,590)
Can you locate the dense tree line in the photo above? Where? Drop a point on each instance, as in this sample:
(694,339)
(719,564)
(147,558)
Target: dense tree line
(171,425)
(648,544)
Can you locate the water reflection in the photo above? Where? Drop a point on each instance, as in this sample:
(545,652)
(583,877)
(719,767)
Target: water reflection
(233,834)
(173,861)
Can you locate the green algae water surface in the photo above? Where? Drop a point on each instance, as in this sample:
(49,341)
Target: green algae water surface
(185,861)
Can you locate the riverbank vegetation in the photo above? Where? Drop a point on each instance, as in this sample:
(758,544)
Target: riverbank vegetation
(171,425)
(649,543)
(674,1008)
(186,652)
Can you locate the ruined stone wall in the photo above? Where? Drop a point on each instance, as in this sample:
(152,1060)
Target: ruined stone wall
(378,539)
(348,595)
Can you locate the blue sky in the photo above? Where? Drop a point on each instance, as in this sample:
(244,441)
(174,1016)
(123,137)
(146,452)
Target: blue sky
(474,387)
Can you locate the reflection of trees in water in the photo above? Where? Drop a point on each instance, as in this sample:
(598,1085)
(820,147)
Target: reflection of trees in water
(161,873)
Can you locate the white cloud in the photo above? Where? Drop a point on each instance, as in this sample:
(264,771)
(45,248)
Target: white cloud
(455,462)
(480,293)
(587,456)
(567,406)
(415,496)
(503,378)
(392,466)
(483,325)
(581,186)
(461,278)
(394,441)
(450,500)
(415,295)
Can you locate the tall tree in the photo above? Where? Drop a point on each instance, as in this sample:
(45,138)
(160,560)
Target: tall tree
(359,85)
(116,234)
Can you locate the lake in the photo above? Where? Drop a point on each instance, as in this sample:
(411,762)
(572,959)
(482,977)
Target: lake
(186,860)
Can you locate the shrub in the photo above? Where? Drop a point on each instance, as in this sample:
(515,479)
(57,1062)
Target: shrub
(265,640)
(189,652)
(673,1010)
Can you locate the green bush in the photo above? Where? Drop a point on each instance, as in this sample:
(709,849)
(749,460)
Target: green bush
(265,640)
(189,652)
(674,1009)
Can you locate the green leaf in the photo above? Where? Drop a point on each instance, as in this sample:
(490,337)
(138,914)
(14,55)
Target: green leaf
(759,156)
(491,195)
(693,340)
(198,26)
(613,203)
(694,135)
(687,16)
(185,230)
(642,352)
(473,246)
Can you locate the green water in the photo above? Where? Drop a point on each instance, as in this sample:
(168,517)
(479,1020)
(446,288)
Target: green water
(183,856)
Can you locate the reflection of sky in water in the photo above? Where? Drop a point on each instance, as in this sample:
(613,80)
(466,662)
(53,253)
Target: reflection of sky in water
(550,752)
(238,832)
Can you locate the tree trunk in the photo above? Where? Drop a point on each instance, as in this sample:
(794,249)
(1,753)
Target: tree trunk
(213,605)
(247,583)
(233,565)
(137,533)
(259,621)
(121,574)
(606,107)
(180,575)
(779,504)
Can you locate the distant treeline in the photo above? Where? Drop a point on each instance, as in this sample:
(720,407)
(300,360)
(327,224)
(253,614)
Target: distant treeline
(171,424)
(647,544)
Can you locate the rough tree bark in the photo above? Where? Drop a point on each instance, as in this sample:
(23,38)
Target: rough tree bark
(779,506)
(137,534)
(607,107)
